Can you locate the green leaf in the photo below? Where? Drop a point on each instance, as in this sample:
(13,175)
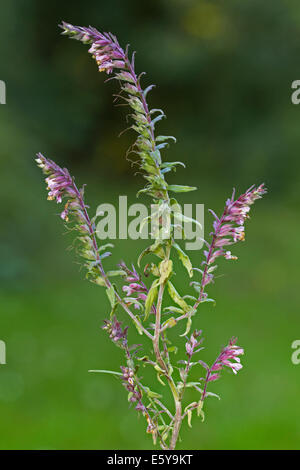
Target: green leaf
(151,297)
(170,322)
(100,281)
(200,411)
(165,269)
(156,110)
(104,247)
(155,154)
(162,146)
(102,371)
(110,292)
(105,255)
(184,259)
(177,298)
(156,249)
(133,300)
(192,384)
(118,272)
(126,76)
(163,138)
(172,309)
(188,326)
(146,91)
(211,394)
(183,218)
(150,393)
(191,405)
(173,349)
(171,164)
(176,188)
(157,118)
(189,416)
(159,379)
(140,331)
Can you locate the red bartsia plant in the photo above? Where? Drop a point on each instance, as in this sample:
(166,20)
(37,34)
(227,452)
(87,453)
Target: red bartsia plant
(142,293)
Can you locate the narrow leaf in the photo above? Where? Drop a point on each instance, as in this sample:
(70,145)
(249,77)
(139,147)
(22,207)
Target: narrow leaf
(184,259)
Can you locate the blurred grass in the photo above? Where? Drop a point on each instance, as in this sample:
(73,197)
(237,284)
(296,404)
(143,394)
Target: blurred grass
(224,71)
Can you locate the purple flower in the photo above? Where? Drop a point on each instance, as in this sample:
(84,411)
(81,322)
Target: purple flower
(114,60)
(135,287)
(213,377)
(228,229)
(135,394)
(193,343)
(115,331)
(105,47)
(228,354)
(229,357)
(61,185)
(59,181)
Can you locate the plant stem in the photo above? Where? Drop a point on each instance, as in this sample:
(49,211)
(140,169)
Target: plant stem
(162,364)
(100,266)
(177,424)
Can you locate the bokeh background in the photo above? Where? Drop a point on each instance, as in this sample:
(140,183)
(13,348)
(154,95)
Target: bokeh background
(223,70)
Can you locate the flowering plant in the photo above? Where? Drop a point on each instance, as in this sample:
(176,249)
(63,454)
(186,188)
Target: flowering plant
(143,301)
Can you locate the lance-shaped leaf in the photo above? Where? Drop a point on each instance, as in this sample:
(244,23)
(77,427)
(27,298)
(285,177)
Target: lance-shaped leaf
(151,297)
(200,411)
(188,326)
(110,292)
(173,309)
(177,298)
(102,371)
(156,249)
(169,323)
(184,259)
(165,269)
(177,188)
(163,138)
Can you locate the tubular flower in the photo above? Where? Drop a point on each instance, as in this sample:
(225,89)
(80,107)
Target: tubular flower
(115,331)
(135,396)
(228,229)
(105,47)
(61,185)
(110,57)
(135,289)
(230,353)
(193,343)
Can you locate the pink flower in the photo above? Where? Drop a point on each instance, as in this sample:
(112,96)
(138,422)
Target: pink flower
(213,377)
(229,229)
(229,357)
(230,352)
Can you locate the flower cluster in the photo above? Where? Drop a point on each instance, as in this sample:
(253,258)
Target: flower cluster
(193,343)
(105,47)
(61,185)
(59,181)
(135,289)
(228,229)
(110,57)
(115,331)
(135,394)
(230,352)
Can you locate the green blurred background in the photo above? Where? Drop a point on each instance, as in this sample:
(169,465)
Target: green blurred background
(223,71)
